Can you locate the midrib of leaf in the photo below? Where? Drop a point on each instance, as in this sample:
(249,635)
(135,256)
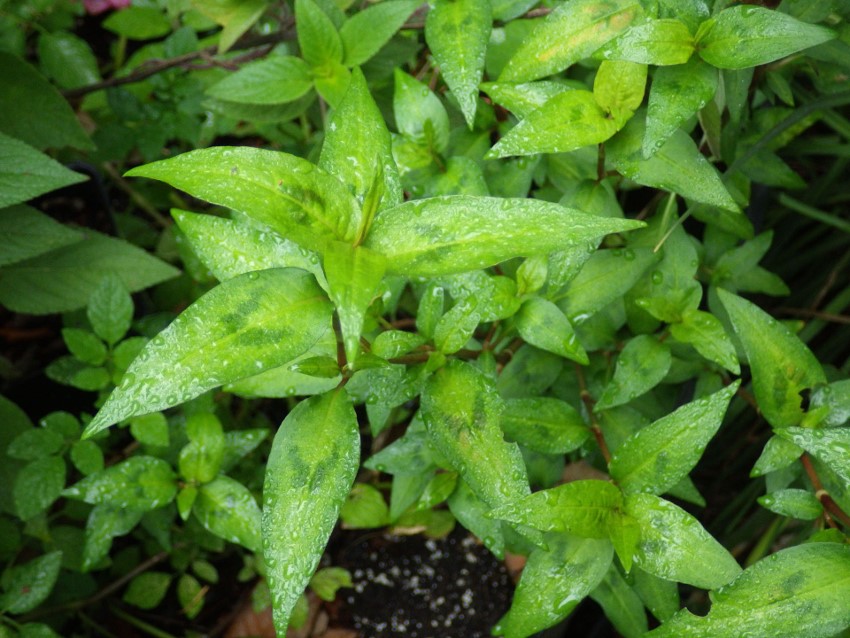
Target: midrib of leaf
(546,55)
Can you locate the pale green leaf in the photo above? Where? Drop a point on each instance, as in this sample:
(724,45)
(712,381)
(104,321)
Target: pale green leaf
(138,23)
(28,233)
(236,16)
(245,325)
(200,459)
(778,453)
(659,42)
(277,79)
(365,508)
(332,82)
(364,33)
(311,468)
(782,366)
(660,596)
(473,514)
(228,509)
(542,324)
(618,88)
(641,365)
(456,327)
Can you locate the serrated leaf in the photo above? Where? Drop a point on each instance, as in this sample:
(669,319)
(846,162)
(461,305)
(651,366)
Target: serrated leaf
(28,233)
(782,366)
(544,424)
(110,310)
(658,456)
(566,122)
(357,148)
(364,33)
(457,32)
(676,166)
(799,591)
(745,36)
(318,38)
(27,586)
(228,509)
(553,582)
(675,546)
(641,365)
(461,409)
(705,333)
(572,31)
(245,325)
(831,446)
(542,324)
(659,42)
(311,468)
(452,234)
(676,94)
(140,483)
(37,485)
(278,79)
(288,194)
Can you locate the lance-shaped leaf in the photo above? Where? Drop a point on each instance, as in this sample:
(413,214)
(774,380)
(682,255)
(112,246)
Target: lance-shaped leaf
(568,121)
(744,36)
(26,173)
(794,503)
(677,166)
(524,98)
(553,582)
(677,92)
(357,149)
(309,474)
(660,42)
(782,366)
(242,327)
(364,33)
(705,333)
(618,88)
(799,591)
(657,457)
(640,367)
(453,234)
(585,508)
(353,273)
(278,79)
(317,36)
(622,606)
(573,31)
(288,194)
(830,445)
(542,324)
(673,545)
(231,247)
(544,424)
(236,16)
(228,509)
(457,32)
(461,409)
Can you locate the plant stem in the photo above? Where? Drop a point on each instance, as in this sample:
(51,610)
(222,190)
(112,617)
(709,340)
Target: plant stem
(830,507)
(594,424)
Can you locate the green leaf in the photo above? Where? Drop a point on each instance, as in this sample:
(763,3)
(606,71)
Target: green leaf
(190,595)
(35,443)
(705,333)
(572,31)
(277,79)
(357,148)
(26,173)
(641,365)
(658,456)
(659,42)
(326,582)
(84,345)
(799,591)
(738,269)
(311,468)
(68,60)
(394,343)
(660,596)
(542,324)
(618,88)
(236,16)
(364,33)
(365,508)
(200,459)
(105,522)
(321,366)
(332,82)
(452,234)
(419,114)
(438,489)
(353,273)
(457,326)
(317,36)
(831,446)
(110,310)
(461,409)
(150,429)
(27,586)
(138,23)
(245,325)
(553,582)
(585,508)
(677,93)
(140,483)
(473,514)
(288,194)
(27,97)
(568,121)
(544,424)
(228,509)
(37,485)
(794,503)
(621,604)
(457,32)
(833,401)
(676,166)
(745,36)
(674,546)
(147,590)
(782,366)
(63,279)
(524,98)
(87,457)
(28,233)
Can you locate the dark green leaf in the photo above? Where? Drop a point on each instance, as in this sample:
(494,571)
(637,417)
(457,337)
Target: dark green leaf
(28,585)
(524,98)
(278,79)
(542,324)
(456,327)
(705,333)
(37,485)
(150,429)
(138,23)
(544,424)
(641,365)
(84,345)
(794,503)
(147,590)
(245,325)
(364,33)
(228,509)
(35,443)
(621,604)
(28,233)
(190,595)
(87,457)
(105,522)
(833,402)
(777,454)
(67,59)
(660,596)
(310,471)
(473,514)
(140,483)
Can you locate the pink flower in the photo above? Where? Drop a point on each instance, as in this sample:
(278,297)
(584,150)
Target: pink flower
(93,7)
